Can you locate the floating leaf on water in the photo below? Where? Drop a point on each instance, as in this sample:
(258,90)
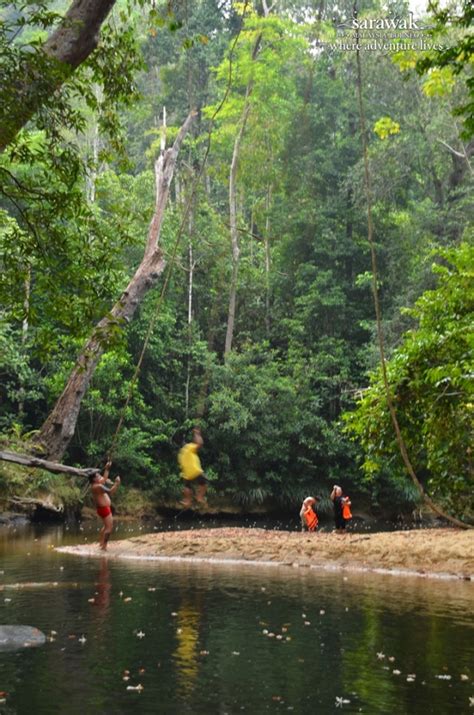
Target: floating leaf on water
(127,600)
(138,687)
(443,677)
(82,639)
(140,634)
(380,655)
(464,676)
(322,612)
(396,672)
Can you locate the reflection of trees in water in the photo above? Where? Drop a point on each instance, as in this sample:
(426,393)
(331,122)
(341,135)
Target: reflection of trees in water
(390,633)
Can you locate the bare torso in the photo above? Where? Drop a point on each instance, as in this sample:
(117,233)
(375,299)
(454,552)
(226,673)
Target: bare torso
(101,498)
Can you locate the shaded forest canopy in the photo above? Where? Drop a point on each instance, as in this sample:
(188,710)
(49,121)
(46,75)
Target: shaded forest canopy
(266,333)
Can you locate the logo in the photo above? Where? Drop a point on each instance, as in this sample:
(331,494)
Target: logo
(384,23)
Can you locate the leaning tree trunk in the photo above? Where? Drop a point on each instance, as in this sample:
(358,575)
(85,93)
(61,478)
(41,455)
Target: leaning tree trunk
(58,429)
(66,48)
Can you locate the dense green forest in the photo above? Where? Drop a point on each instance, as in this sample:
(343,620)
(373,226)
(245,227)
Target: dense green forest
(258,311)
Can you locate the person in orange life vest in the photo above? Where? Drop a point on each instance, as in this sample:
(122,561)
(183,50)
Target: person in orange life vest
(308,516)
(101,494)
(346,509)
(195,482)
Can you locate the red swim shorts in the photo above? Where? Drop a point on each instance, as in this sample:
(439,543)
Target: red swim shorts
(104,511)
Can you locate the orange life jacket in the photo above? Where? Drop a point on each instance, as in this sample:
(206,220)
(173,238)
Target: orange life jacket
(346,511)
(311,519)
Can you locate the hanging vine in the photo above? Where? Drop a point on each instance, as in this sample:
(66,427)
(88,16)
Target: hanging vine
(378,312)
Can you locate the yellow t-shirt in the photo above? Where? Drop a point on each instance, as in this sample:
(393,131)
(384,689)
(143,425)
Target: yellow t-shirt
(189,461)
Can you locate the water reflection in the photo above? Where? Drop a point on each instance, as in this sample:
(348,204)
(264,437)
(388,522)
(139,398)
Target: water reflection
(206,638)
(374,592)
(186,653)
(102,594)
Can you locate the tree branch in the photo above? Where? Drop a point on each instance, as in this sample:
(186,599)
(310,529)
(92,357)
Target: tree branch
(453,151)
(53,467)
(67,47)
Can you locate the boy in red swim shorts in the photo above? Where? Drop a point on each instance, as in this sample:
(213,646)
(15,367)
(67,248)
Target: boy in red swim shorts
(101,493)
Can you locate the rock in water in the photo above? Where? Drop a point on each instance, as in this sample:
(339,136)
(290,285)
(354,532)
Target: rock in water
(14,637)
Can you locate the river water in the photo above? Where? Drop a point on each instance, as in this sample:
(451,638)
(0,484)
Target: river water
(197,638)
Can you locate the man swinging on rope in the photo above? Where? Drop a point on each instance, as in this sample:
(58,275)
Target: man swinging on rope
(101,494)
(195,483)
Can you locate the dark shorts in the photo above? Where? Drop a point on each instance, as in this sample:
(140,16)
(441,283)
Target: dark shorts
(200,480)
(340,522)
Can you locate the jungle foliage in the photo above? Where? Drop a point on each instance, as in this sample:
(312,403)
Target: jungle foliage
(77,194)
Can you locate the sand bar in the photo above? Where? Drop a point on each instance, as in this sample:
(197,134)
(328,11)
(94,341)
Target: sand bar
(438,553)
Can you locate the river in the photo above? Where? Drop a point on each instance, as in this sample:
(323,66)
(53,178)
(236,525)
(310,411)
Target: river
(200,638)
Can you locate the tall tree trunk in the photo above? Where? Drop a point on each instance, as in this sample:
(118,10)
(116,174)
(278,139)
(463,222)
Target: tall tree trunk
(234,234)
(191,266)
(66,48)
(24,337)
(92,173)
(58,429)
(268,201)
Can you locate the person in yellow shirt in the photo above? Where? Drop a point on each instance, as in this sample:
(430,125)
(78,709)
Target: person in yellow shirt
(195,483)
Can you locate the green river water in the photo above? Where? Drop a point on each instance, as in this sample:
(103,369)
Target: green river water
(203,638)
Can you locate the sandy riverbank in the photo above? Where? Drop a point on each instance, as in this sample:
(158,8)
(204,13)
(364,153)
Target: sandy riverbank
(437,552)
